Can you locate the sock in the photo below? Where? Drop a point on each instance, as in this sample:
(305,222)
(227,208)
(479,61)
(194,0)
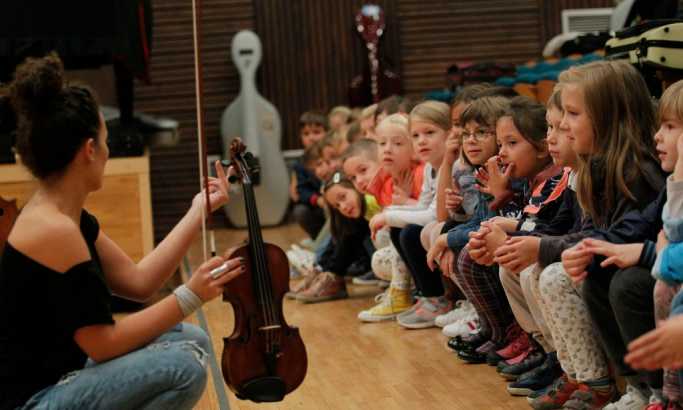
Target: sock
(637,383)
(602,384)
(657,394)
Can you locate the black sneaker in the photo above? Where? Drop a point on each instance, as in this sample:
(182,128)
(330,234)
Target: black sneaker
(472,341)
(359,267)
(472,356)
(478,355)
(538,378)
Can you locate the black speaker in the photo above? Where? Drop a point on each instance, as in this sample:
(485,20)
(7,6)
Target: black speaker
(7,131)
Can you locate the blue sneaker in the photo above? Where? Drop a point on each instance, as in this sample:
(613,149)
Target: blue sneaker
(537,378)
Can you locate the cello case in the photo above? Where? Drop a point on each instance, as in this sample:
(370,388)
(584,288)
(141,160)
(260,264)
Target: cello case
(257,122)
(658,43)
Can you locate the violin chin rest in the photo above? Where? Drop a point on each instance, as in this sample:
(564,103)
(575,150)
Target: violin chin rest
(263,389)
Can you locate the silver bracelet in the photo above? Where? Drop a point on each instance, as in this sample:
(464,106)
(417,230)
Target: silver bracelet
(187,300)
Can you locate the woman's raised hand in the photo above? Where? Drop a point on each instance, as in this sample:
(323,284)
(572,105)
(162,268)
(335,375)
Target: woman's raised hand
(218,189)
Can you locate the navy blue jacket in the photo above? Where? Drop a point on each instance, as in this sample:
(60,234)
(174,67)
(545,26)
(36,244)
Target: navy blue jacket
(307,185)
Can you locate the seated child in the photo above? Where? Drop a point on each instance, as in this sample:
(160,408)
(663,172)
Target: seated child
(350,211)
(353,133)
(312,128)
(339,118)
(367,121)
(309,211)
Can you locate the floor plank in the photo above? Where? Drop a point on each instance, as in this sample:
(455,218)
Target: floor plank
(353,365)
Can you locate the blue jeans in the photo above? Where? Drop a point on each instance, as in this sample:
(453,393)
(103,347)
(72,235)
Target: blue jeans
(169,373)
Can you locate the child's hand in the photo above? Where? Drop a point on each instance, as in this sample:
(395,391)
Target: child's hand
(453,200)
(622,255)
(399,196)
(517,253)
(453,144)
(446,263)
(659,348)
(506,224)
(377,222)
(575,260)
(293,193)
(494,182)
(477,246)
(436,251)
(403,184)
(495,238)
(662,241)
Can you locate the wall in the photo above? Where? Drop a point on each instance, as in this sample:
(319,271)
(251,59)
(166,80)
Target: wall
(311,54)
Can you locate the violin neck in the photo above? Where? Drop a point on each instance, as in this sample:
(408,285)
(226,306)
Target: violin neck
(253,223)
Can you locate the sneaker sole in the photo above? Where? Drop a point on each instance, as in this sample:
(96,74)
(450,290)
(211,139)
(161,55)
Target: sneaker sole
(425,325)
(519,391)
(449,335)
(375,319)
(364,282)
(304,299)
(509,377)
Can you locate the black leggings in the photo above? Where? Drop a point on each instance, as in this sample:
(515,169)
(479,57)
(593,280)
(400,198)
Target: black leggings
(407,242)
(621,306)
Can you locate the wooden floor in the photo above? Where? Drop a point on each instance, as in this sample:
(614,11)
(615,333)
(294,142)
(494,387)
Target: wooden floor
(353,365)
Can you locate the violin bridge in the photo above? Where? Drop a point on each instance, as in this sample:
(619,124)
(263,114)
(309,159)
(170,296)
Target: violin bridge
(272,327)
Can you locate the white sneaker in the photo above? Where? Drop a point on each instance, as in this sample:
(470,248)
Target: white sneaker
(464,326)
(462,309)
(633,399)
(300,259)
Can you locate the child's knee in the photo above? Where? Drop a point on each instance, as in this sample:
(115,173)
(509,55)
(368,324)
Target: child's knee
(464,262)
(552,279)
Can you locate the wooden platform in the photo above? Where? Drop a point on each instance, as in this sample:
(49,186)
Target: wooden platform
(353,365)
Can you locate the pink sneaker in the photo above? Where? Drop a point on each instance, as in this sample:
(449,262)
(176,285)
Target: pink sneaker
(426,313)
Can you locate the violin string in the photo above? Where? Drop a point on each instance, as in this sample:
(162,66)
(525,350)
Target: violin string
(267,285)
(257,271)
(262,261)
(267,282)
(257,251)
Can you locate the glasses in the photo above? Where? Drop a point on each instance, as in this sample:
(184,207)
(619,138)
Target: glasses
(479,135)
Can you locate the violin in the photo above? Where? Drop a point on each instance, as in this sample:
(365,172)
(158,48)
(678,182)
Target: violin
(264,359)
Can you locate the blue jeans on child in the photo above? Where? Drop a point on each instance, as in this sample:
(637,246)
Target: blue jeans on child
(169,373)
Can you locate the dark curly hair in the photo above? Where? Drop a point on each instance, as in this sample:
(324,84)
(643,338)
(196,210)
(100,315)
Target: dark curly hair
(54,118)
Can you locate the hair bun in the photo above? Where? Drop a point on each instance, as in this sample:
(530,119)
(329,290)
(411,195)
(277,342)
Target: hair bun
(38,82)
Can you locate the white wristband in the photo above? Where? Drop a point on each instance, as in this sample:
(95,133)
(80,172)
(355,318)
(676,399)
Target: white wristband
(187,300)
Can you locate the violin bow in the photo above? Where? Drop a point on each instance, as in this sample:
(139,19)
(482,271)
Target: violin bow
(207,226)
